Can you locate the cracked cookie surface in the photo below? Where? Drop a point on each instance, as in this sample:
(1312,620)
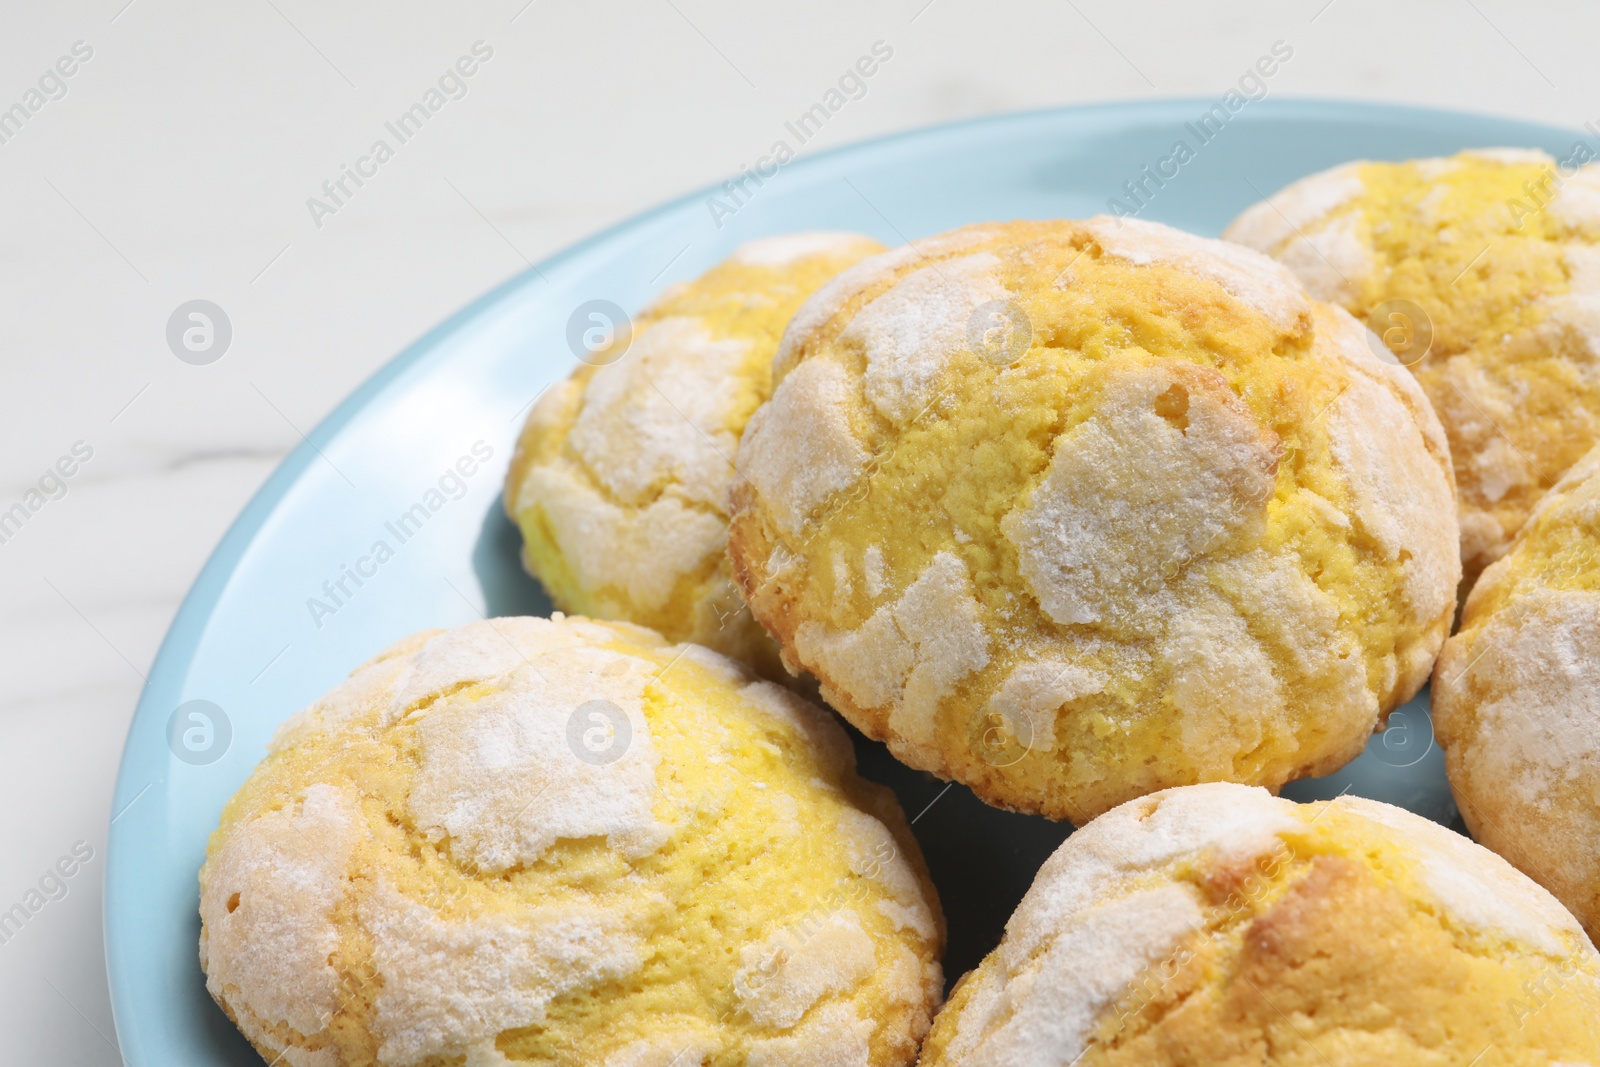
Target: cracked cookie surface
(1500,251)
(620,479)
(1217,925)
(567,842)
(1516,697)
(1075,511)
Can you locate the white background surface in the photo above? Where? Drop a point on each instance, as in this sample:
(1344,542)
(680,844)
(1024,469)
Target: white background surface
(178,166)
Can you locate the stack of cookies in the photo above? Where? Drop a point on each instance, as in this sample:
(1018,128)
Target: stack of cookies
(1106,522)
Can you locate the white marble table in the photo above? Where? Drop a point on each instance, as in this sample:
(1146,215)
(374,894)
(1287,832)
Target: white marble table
(176,162)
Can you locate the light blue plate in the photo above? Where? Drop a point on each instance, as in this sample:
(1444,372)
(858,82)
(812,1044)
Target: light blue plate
(246,641)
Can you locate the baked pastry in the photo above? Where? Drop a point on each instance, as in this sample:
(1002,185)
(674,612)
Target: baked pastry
(1516,698)
(1075,511)
(564,842)
(1216,924)
(1484,272)
(621,475)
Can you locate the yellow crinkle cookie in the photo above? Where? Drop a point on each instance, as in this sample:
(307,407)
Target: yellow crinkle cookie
(621,476)
(1075,511)
(1516,697)
(1216,926)
(563,842)
(1498,250)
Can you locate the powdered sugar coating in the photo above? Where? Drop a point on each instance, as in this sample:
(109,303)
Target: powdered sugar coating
(1577,202)
(444,868)
(643,552)
(1246,274)
(1506,154)
(910,332)
(1475,887)
(1116,851)
(1302,226)
(453,985)
(1573,319)
(835,1036)
(1294,618)
(1038,1011)
(1122,907)
(1517,698)
(819,957)
(1333,263)
(1080,557)
(1268,224)
(1504,341)
(1097,496)
(800,448)
(498,780)
(873,853)
(910,653)
(853,283)
(683,1049)
(622,471)
(1395,503)
(1389,444)
(1032,692)
(267,904)
(1223,688)
(662,415)
(1092,921)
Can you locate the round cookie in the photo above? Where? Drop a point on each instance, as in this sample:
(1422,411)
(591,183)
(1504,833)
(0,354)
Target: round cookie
(564,842)
(1485,271)
(1075,511)
(1516,698)
(1216,924)
(620,477)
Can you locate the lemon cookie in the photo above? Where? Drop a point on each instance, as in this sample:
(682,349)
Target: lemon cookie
(1216,924)
(564,842)
(1516,697)
(1483,271)
(621,475)
(1075,511)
